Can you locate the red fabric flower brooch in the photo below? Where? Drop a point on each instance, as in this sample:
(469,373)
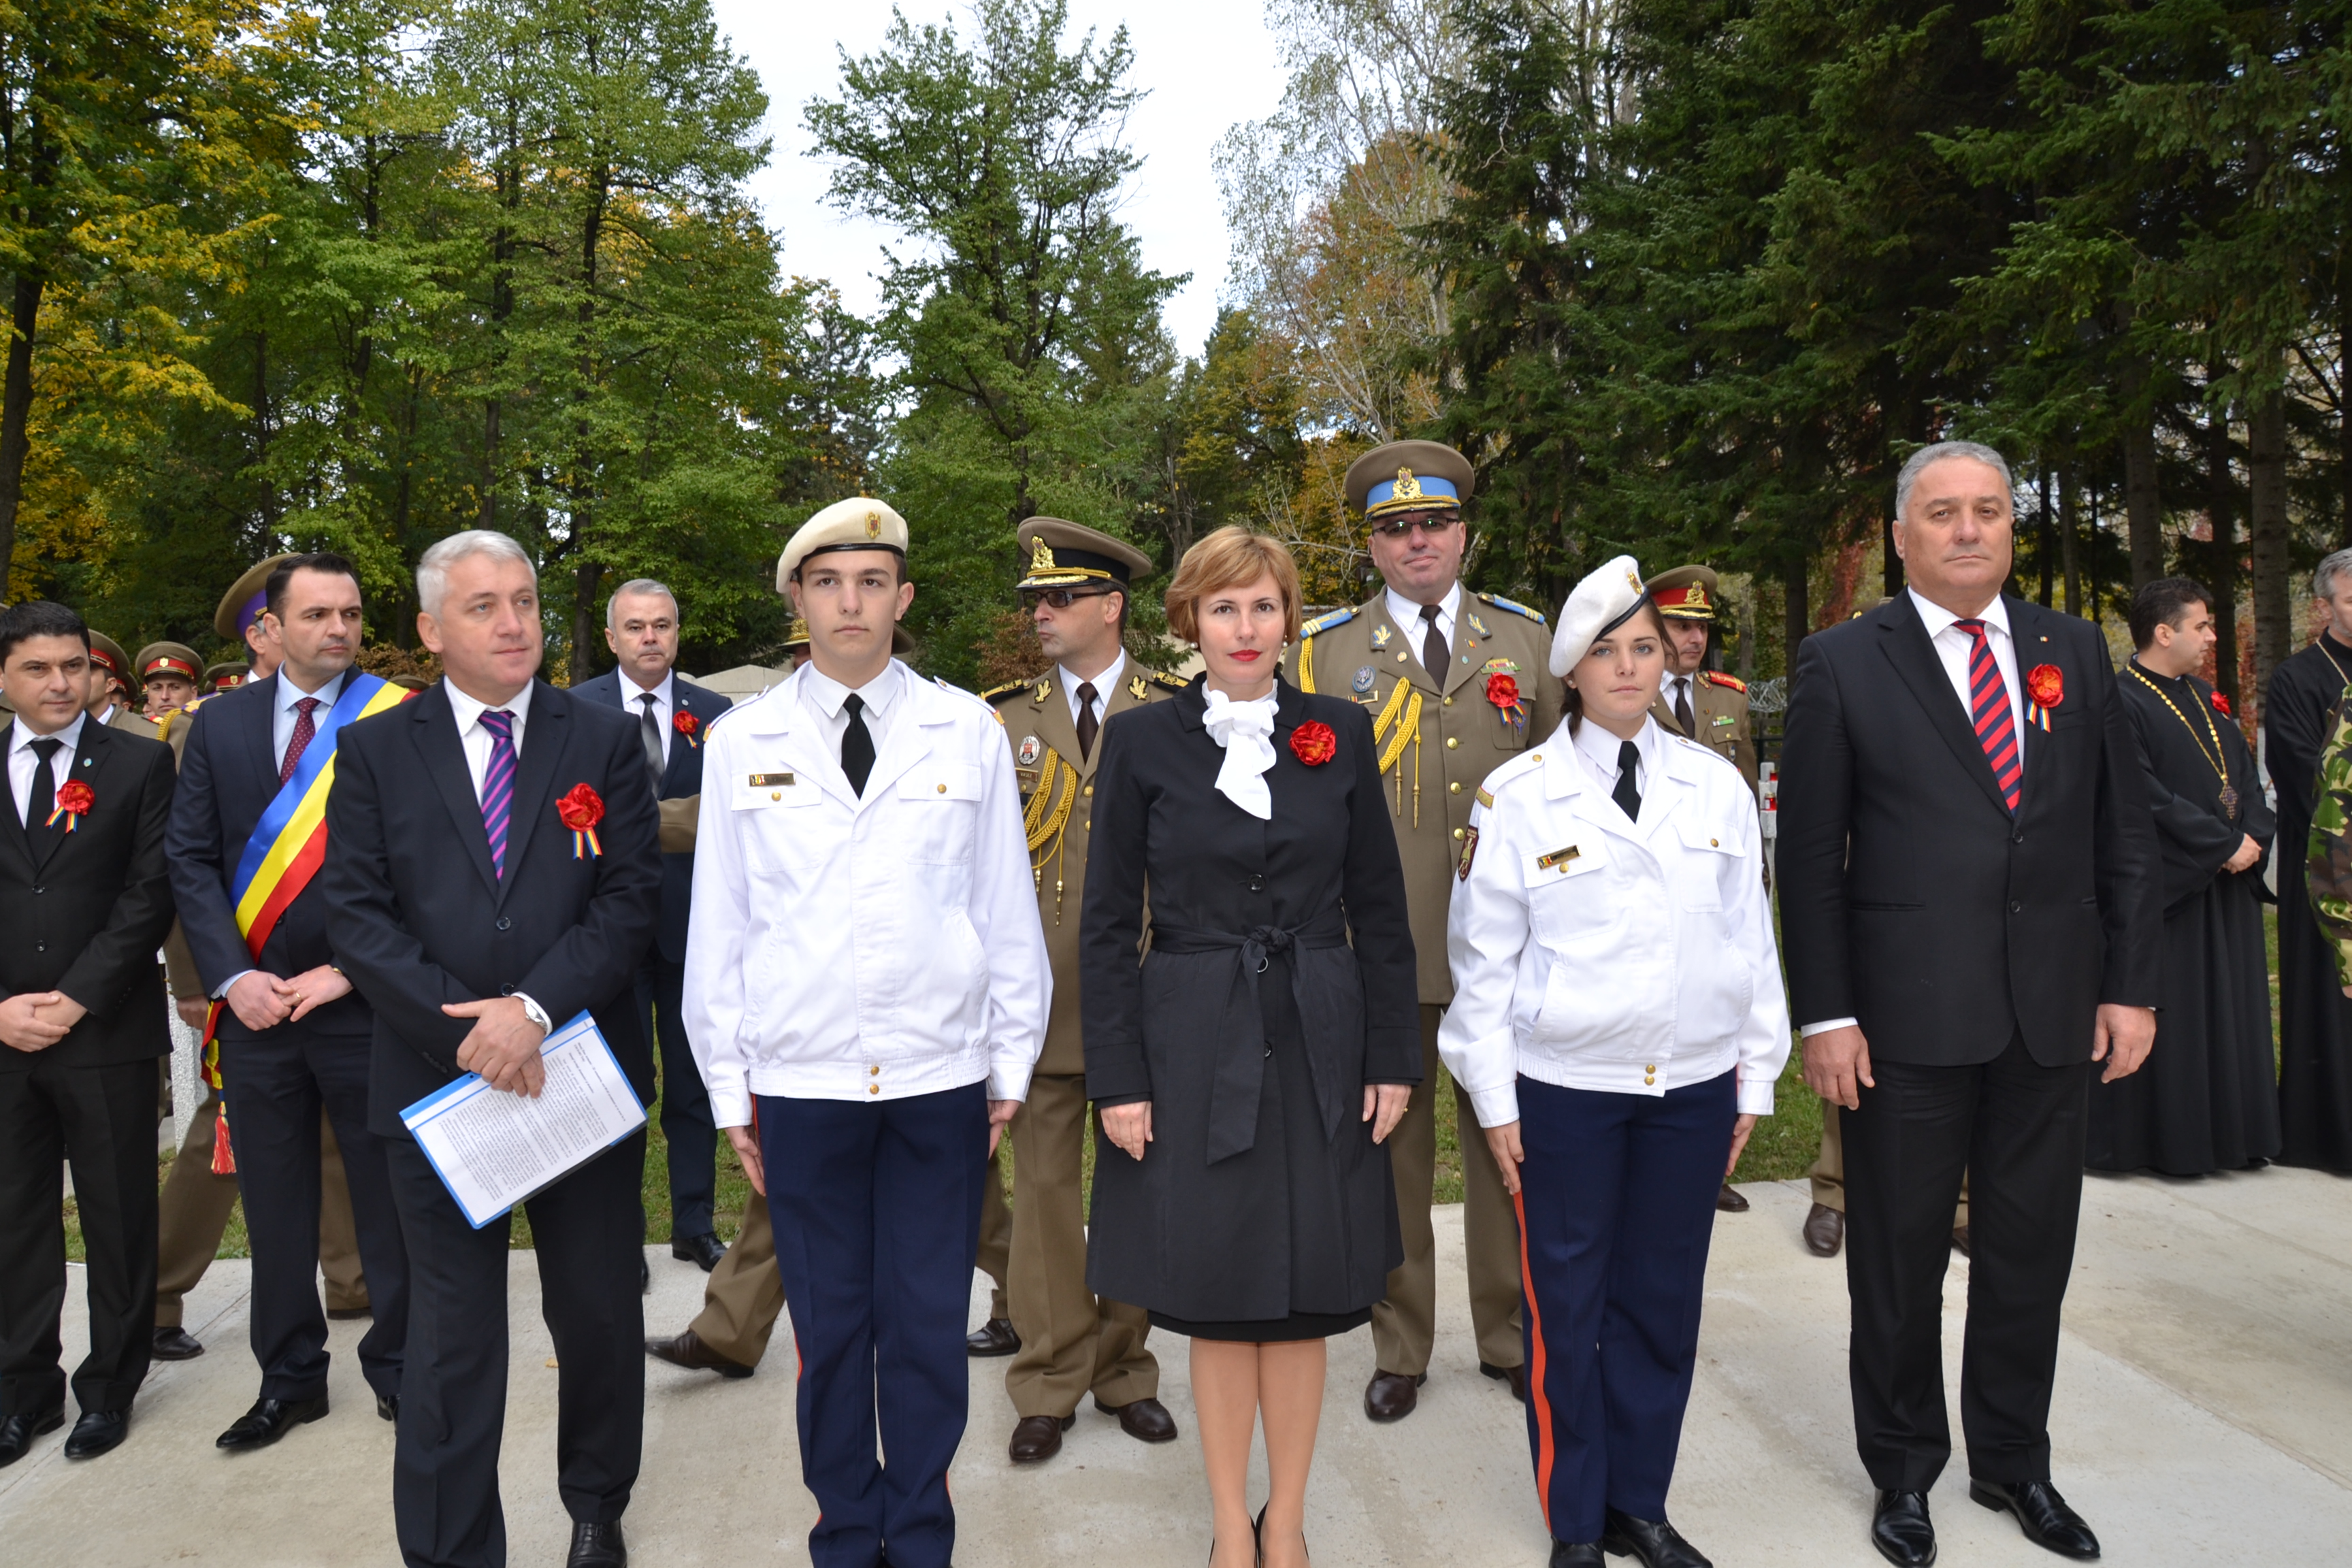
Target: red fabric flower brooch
(581,809)
(686,724)
(2221,705)
(73,799)
(2045,685)
(1503,692)
(1314,744)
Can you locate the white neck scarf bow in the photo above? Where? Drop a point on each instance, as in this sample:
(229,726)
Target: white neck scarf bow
(1245,729)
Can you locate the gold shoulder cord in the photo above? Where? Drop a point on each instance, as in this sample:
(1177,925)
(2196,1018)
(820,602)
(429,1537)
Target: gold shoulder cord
(1042,825)
(1306,664)
(1403,713)
(2217,758)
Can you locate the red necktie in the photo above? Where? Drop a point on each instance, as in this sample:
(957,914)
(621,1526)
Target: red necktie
(299,742)
(1988,710)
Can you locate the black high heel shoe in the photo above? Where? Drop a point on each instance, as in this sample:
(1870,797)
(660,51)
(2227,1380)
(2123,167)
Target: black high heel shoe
(1258,1528)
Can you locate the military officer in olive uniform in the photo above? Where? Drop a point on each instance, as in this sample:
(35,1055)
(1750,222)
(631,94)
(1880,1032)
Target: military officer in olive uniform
(167,677)
(1705,705)
(1076,588)
(1458,683)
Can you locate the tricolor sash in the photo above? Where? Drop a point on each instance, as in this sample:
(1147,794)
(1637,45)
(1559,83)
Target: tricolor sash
(288,846)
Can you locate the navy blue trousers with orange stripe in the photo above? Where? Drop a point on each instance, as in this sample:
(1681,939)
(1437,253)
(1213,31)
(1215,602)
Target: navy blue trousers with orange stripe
(1616,1208)
(876,1215)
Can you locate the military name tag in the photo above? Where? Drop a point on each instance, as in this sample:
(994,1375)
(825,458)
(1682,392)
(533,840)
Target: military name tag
(1557,859)
(771,780)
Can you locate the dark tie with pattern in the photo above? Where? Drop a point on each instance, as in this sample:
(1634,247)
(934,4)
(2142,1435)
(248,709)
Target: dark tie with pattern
(1683,706)
(1628,792)
(1089,725)
(1996,726)
(497,785)
(857,744)
(1433,653)
(305,731)
(42,799)
(649,733)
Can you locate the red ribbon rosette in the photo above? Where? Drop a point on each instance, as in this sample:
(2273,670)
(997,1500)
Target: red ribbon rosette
(2222,706)
(2045,685)
(581,809)
(1503,692)
(73,799)
(1314,744)
(686,724)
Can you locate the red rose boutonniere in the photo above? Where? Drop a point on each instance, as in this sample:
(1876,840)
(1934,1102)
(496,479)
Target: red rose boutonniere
(1503,692)
(73,799)
(1314,744)
(2045,685)
(581,809)
(2221,705)
(686,724)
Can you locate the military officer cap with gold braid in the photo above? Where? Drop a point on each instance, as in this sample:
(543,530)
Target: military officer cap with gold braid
(861,522)
(226,676)
(245,599)
(1686,594)
(105,652)
(1408,476)
(1070,555)
(168,658)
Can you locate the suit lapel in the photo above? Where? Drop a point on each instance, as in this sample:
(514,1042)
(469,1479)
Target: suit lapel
(1470,635)
(2029,638)
(1401,641)
(434,723)
(546,735)
(89,763)
(1903,637)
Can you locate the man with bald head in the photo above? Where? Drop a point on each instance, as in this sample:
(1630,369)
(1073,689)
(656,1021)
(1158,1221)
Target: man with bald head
(1970,909)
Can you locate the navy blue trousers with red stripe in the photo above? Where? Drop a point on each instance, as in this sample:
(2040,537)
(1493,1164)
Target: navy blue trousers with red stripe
(876,1215)
(1616,1207)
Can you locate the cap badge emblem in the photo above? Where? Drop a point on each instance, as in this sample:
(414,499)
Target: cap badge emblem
(1041,559)
(873,525)
(1407,487)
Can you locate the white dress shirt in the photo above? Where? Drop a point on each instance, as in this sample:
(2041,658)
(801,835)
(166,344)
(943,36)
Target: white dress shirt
(1952,647)
(825,699)
(1597,749)
(24,762)
(665,698)
(1104,684)
(282,723)
(477,740)
(1407,616)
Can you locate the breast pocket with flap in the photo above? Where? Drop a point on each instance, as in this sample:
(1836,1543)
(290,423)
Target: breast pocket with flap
(940,802)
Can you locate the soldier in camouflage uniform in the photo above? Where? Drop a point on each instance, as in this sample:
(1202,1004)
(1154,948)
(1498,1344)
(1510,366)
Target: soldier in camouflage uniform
(1458,683)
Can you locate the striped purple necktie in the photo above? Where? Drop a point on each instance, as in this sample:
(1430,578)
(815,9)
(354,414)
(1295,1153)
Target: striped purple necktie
(498,785)
(1988,710)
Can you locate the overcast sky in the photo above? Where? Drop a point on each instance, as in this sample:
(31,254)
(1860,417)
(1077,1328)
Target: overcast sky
(1204,64)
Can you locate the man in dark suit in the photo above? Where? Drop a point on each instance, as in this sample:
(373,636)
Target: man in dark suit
(475,919)
(84,899)
(1969,909)
(293,1035)
(670,714)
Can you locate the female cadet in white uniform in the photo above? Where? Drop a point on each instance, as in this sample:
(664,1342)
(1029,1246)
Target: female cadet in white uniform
(1618,1023)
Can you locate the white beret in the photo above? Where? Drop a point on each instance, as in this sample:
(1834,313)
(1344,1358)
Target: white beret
(860,522)
(1595,605)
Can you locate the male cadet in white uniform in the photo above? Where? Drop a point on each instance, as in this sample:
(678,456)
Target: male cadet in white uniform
(863,962)
(1457,684)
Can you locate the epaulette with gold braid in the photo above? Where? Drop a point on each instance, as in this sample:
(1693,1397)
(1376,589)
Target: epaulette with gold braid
(995,692)
(1717,678)
(1173,682)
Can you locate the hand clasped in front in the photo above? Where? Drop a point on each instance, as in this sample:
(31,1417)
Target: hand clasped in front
(503,1044)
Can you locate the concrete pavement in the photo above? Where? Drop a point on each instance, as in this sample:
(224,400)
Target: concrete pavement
(2203,1414)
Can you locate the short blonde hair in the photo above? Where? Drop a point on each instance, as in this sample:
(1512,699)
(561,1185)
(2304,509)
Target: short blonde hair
(1231,557)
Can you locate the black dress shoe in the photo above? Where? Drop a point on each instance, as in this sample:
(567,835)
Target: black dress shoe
(1729,1200)
(1577,1555)
(1391,1395)
(1145,1420)
(175,1343)
(1961,1240)
(1901,1529)
(268,1420)
(994,1337)
(1657,1544)
(98,1431)
(1036,1438)
(2041,1512)
(645,1287)
(387,1406)
(17,1432)
(597,1546)
(689,1351)
(1517,1376)
(350,1314)
(703,1251)
(1824,1230)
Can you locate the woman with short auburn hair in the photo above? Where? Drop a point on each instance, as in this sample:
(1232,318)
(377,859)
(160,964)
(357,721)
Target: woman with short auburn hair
(1249,1069)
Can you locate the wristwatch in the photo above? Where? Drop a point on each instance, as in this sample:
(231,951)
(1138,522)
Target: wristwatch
(536,1014)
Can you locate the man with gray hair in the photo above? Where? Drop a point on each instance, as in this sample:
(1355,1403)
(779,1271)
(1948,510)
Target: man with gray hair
(671,714)
(2315,1017)
(494,869)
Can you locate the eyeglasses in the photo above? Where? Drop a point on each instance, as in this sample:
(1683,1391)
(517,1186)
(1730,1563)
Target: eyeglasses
(1398,527)
(1060,598)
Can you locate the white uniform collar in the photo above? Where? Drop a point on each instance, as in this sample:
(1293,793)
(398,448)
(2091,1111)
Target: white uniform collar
(877,694)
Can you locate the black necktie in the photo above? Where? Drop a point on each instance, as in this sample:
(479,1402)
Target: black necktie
(1089,725)
(650,734)
(1433,654)
(43,797)
(1683,706)
(1628,794)
(857,744)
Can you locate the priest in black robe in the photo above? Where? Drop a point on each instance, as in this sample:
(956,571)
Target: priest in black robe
(2206,1101)
(2315,1017)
